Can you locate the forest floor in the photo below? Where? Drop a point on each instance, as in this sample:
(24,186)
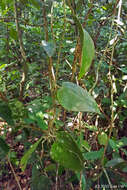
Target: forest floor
(11,173)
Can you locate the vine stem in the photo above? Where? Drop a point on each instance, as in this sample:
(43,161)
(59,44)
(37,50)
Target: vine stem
(112,88)
(61,43)
(112,104)
(22,50)
(106,49)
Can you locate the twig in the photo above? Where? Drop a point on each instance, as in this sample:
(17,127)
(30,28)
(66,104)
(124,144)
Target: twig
(106,49)
(45,22)
(16,178)
(80,183)
(25,67)
(61,42)
(112,93)
(88,13)
(56,186)
(107,178)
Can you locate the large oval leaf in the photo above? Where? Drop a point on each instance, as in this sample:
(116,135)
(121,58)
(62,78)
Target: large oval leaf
(74,98)
(87,47)
(87,53)
(66,152)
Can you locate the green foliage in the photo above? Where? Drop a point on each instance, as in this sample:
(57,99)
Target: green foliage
(74,98)
(83,180)
(27,155)
(86,145)
(87,53)
(4,148)
(6,113)
(87,47)
(36,114)
(39,181)
(115,162)
(94,155)
(102,138)
(54,39)
(18,110)
(66,152)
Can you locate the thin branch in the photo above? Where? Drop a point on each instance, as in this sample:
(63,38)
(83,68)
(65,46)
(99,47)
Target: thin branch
(107,178)
(13,171)
(45,21)
(88,13)
(112,91)
(25,67)
(61,42)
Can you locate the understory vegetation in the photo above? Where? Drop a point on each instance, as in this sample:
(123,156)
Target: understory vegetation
(63,94)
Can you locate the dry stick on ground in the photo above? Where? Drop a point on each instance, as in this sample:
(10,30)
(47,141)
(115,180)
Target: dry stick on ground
(25,67)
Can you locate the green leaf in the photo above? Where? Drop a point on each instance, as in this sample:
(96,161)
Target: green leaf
(91,127)
(86,145)
(124,169)
(49,47)
(13,34)
(87,46)
(51,167)
(102,138)
(40,120)
(83,179)
(66,152)
(114,162)
(87,54)
(122,142)
(3,66)
(4,148)
(39,181)
(79,5)
(35,3)
(114,145)
(6,113)
(36,114)
(74,98)
(27,155)
(94,155)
